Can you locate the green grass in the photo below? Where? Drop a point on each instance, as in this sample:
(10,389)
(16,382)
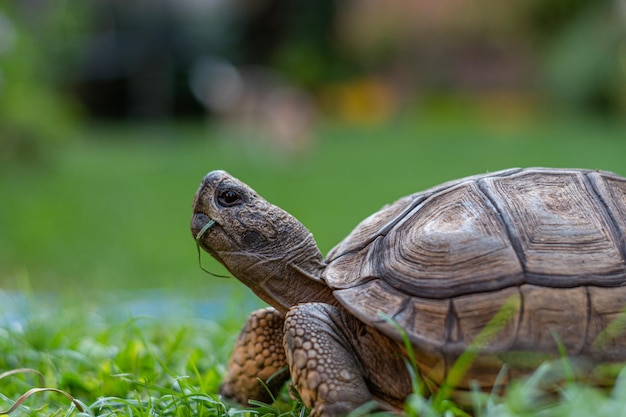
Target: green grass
(140,366)
(109,213)
(144,367)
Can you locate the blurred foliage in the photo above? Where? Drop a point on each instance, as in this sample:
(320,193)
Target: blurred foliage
(569,53)
(585,63)
(360,62)
(547,18)
(308,52)
(110,50)
(35,114)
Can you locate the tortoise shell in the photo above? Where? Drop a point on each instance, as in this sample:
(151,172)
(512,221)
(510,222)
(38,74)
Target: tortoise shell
(546,245)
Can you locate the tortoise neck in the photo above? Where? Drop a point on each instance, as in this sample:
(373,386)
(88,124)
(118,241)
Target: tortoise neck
(296,279)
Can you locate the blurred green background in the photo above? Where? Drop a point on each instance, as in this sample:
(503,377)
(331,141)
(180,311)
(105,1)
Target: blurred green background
(112,111)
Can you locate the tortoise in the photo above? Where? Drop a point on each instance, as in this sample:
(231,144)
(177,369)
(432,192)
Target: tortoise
(514,266)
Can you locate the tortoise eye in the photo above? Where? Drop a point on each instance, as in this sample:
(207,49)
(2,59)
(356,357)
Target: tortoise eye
(229,198)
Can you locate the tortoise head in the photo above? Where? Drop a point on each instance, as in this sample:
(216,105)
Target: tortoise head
(259,243)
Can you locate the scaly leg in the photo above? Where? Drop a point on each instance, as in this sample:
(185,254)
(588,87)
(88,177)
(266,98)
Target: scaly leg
(258,354)
(324,367)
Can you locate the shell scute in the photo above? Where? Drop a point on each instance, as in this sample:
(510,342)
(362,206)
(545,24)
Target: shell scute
(375,299)
(553,317)
(426,320)
(562,235)
(449,245)
(606,330)
(486,323)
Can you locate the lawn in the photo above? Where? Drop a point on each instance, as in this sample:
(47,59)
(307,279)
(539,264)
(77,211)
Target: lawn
(105,217)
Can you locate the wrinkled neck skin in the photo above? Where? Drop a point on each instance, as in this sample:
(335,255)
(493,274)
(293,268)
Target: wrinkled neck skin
(284,274)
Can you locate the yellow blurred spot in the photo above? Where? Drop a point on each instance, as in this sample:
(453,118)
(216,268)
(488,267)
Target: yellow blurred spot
(363,101)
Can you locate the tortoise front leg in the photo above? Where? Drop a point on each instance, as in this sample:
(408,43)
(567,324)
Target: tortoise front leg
(258,355)
(322,363)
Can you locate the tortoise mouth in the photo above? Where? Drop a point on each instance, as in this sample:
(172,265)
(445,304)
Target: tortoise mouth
(200,225)
(210,223)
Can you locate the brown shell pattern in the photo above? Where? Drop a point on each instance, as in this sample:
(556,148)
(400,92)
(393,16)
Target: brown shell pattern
(540,253)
